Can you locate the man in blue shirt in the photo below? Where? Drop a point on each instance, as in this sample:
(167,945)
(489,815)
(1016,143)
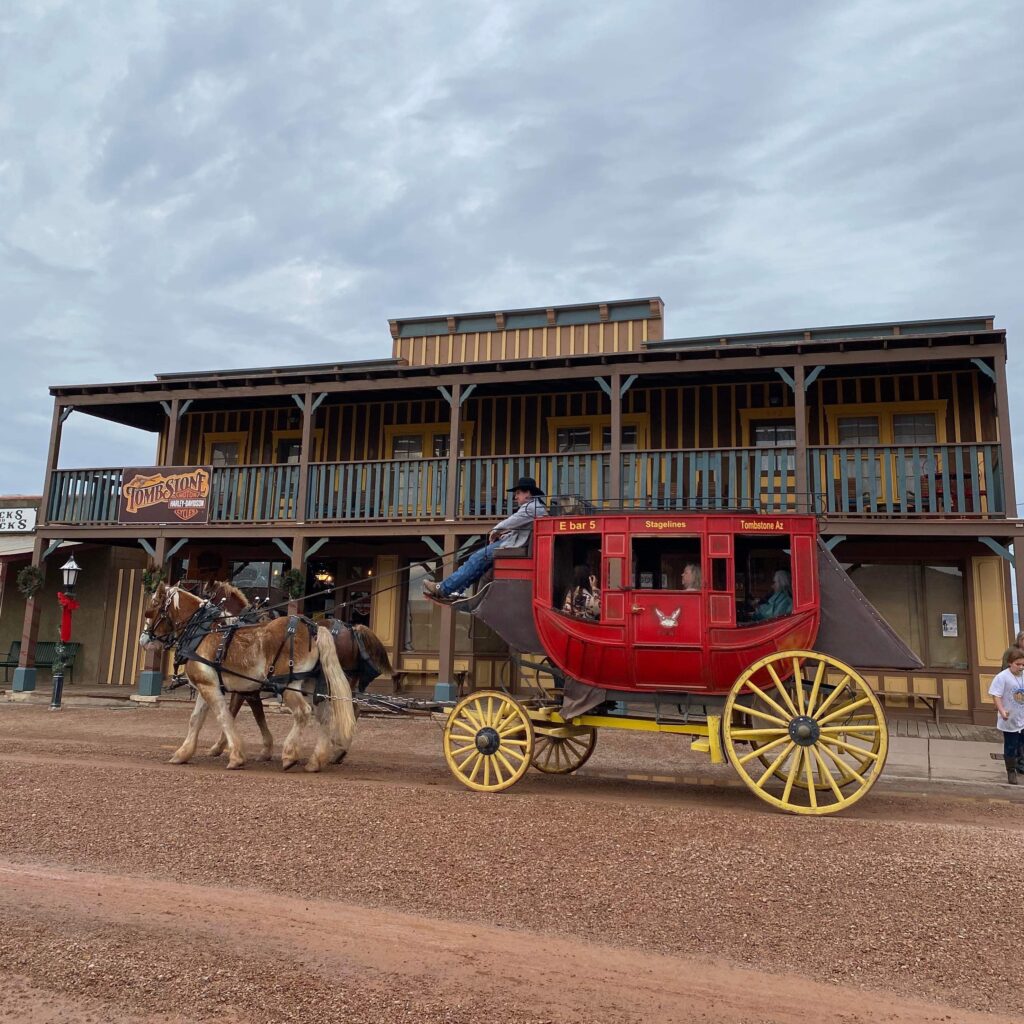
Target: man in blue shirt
(512,532)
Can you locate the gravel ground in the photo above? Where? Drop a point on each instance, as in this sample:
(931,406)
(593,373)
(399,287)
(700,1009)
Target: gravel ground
(897,896)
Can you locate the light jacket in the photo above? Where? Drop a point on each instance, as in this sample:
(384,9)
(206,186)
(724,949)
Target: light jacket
(516,530)
(780,603)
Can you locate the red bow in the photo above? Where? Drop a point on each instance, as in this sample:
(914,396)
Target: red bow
(69,604)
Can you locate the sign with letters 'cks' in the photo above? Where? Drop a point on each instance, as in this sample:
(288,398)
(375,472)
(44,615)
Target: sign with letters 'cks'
(163,494)
(17,520)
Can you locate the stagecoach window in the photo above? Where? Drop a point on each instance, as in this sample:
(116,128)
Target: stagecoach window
(660,562)
(719,574)
(576,550)
(757,561)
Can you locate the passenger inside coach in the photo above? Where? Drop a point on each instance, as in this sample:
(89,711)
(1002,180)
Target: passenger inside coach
(779,602)
(583,598)
(666,563)
(691,578)
(763,582)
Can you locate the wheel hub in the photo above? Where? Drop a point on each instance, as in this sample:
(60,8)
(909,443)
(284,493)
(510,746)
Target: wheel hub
(804,731)
(488,741)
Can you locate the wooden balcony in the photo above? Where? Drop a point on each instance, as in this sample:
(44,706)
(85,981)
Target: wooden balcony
(926,481)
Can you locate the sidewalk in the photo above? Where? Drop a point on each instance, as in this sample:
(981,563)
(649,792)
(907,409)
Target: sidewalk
(944,760)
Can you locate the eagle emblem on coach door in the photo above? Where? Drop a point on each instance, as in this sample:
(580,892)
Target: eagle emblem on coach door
(667,621)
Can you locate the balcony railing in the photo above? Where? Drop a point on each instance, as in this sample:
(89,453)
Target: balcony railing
(934,479)
(84,496)
(254,494)
(759,479)
(484,483)
(413,489)
(959,480)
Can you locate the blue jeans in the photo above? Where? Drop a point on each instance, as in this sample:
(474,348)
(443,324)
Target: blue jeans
(470,571)
(1013,745)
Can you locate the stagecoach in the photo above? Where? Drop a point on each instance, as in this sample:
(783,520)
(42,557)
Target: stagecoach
(778,696)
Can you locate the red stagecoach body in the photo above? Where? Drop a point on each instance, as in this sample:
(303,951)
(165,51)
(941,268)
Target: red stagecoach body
(652,635)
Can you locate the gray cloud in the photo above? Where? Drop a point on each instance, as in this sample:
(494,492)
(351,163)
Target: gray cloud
(192,185)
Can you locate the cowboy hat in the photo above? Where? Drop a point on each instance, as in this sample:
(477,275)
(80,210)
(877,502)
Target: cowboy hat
(526,483)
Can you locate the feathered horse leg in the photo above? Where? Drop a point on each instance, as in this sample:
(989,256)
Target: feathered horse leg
(256,707)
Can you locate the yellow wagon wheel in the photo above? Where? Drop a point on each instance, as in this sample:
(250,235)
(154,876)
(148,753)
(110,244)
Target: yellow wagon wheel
(830,735)
(859,760)
(561,755)
(488,741)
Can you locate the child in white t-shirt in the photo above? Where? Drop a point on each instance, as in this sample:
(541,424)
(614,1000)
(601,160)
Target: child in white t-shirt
(1008,690)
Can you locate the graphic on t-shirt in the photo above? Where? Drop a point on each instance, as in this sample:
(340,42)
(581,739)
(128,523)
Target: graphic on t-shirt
(1018,696)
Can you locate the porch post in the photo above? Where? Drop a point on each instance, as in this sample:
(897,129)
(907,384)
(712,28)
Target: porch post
(615,454)
(302,499)
(25,673)
(1006,465)
(803,499)
(451,498)
(60,414)
(446,689)
(173,423)
(298,562)
(151,676)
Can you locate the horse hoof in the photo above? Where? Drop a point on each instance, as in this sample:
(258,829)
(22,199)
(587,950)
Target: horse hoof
(266,755)
(287,763)
(236,764)
(338,758)
(215,751)
(178,759)
(312,766)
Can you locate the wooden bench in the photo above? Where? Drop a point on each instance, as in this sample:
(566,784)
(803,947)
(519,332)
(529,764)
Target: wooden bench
(46,651)
(932,700)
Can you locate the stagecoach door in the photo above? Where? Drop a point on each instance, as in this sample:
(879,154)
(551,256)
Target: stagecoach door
(666,621)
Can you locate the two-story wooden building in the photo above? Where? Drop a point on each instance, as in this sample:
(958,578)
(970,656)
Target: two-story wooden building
(896,434)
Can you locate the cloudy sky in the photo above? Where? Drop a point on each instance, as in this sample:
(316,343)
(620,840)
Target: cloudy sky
(197,184)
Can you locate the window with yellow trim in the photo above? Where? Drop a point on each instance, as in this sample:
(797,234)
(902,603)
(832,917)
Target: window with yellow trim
(898,423)
(288,446)
(424,440)
(225,449)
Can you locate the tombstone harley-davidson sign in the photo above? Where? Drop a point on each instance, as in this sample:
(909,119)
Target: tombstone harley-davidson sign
(163,494)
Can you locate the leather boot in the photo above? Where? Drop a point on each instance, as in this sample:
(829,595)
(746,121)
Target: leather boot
(1011,770)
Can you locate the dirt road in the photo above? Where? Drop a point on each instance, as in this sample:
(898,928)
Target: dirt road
(131,890)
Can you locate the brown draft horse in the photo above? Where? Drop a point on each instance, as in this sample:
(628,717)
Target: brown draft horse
(255,653)
(234,605)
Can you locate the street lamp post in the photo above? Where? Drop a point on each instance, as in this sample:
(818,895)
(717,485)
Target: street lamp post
(70,571)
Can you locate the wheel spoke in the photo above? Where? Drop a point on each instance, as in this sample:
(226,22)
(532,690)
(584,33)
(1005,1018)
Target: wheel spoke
(513,723)
(782,690)
(831,697)
(753,734)
(850,774)
(478,760)
(760,751)
(774,766)
(458,751)
(764,717)
(784,715)
(839,729)
(519,755)
(507,763)
(812,792)
(845,709)
(465,727)
(816,687)
(791,777)
(798,683)
(471,713)
(487,771)
(827,774)
(856,751)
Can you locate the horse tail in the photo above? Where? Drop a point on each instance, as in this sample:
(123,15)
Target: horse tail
(341,724)
(375,651)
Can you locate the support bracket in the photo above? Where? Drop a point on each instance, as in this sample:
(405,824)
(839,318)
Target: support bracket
(66,412)
(985,368)
(166,406)
(812,376)
(51,547)
(184,407)
(316,401)
(467,545)
(300,401)
(604,386)
(175,548)
(316,546)
(835,541)
(434,546)
(627,384)
(787,377)
(147,547)
(285,548)
(466,392)
(999,549)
